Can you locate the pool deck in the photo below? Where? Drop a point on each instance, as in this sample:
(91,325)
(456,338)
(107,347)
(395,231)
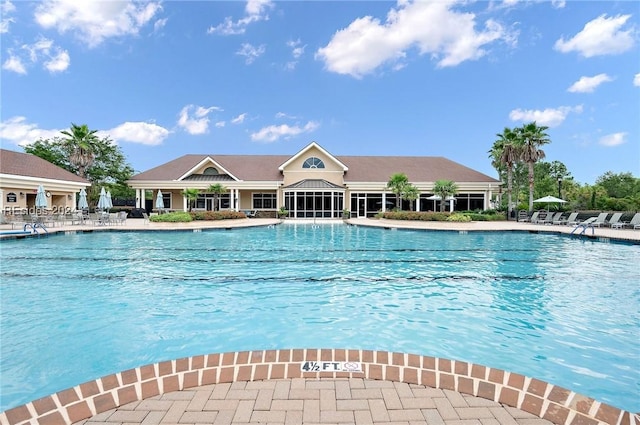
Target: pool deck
(272,386)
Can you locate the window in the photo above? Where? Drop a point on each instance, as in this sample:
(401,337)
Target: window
(313,162)
(166,199)
(262,201)
(210,171)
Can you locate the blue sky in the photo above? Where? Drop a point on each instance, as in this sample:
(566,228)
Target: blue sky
(437,78)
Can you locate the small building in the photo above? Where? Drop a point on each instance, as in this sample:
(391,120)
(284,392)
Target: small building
(20,176)
(313,183)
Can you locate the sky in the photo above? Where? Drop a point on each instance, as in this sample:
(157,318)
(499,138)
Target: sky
(430,78)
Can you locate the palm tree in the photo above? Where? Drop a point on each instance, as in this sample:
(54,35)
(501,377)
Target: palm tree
(532,137)
(191,195)
(444,189)
(411,193)
(217,190)
(397,185)
(80,139)
(505,153)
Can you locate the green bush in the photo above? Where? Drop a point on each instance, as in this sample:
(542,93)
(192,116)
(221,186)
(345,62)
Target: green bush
(217,215)
(459,218)
(173,217)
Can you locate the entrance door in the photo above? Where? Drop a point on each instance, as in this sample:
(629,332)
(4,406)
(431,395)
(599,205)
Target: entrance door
(362,203)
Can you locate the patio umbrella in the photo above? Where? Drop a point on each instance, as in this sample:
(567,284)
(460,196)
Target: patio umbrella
(103,202)
(550,200)
(82,200)
(109,202)
(159,201)
(41,198)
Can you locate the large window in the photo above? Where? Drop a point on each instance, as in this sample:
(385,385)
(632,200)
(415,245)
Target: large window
(313,162)
(314,204)
(206,201)
(264,201)
(166,200)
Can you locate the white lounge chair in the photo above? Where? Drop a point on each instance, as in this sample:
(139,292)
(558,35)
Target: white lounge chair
(634,223)
(615,219)
(572,218)
(600,220)
(533,218)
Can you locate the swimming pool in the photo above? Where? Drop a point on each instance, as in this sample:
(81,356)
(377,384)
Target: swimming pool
(81,306)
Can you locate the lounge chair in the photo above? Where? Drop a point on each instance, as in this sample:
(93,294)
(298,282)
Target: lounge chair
(571,219)
(533,218)
(250,213)
(615,219)
(600,220)
(634,223)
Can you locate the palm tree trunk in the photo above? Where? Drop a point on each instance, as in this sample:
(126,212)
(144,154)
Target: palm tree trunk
(530,186)
(509,188)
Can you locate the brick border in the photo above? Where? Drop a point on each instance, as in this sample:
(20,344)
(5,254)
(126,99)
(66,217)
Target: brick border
(556,404)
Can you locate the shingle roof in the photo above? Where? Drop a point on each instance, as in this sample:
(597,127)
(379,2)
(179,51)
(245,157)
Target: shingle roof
(24,164)
(313,184)
(361,168)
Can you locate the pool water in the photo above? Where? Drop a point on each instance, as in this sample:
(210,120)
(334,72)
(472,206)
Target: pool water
(561,309)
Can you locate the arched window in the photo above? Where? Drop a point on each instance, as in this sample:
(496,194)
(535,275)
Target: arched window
(210,171)
(313,162)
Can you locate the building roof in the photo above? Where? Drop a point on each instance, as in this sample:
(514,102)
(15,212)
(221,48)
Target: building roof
(360,168)
(27,165)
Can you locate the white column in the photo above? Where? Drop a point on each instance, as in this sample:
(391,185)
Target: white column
(384,201)
(451,205)
(185,203)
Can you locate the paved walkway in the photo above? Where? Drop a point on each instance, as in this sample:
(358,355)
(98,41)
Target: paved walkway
(315,401)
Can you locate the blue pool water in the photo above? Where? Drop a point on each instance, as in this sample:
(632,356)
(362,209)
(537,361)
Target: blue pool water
(561,309)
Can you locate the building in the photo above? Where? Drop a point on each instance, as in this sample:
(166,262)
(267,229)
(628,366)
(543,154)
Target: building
(313,183)
(22,173)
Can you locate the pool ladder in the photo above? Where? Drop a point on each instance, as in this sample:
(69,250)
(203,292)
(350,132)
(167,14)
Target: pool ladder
(34,228)
(584,228)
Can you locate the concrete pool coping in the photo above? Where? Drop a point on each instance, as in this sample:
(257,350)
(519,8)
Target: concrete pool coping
(448,391)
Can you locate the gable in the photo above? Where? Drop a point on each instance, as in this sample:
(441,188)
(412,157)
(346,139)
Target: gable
(314,156)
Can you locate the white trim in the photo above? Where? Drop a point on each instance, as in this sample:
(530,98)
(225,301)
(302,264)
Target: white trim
(307,148)
(210,160)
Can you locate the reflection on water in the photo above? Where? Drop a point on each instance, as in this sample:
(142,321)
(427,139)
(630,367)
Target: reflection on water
(82,306)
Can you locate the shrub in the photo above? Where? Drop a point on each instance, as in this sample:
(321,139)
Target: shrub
(414,215)
(460,218)
(217,215)
(173,217)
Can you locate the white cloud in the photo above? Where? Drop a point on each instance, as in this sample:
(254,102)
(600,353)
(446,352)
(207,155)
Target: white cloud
(14,64)
(6,8)
(139,132)
(602,36)
(558,4)
(239,119)
(550,117)
(220,124)
(588,84)
(273,133)
(194,119)
(614,139)
(93,22)
(636,80)
(20,132)
(53,58)
(255,11)
(59,62)
(447,35)
(297,50)
(250,52)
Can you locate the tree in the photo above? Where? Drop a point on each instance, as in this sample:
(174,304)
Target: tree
(506,152)
(397,185)
(444,189)
(217,190)
(532,137)
(619,185)
(410,193)
(81,152)
(191,195)
(81,141)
